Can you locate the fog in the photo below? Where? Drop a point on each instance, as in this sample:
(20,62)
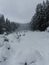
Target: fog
(18,10)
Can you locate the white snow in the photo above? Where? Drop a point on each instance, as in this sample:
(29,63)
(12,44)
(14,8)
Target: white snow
(24,47)
(47,29)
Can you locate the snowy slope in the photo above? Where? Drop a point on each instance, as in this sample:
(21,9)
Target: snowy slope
(24,48)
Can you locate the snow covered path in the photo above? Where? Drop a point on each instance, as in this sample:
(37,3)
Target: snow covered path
(25,47)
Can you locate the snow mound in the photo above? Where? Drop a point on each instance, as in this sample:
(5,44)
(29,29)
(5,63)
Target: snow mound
(24,48)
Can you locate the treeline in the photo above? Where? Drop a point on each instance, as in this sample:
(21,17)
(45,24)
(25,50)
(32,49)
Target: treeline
(7,26)
(40,20)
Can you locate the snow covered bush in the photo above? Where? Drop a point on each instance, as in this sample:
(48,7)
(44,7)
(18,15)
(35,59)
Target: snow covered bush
(6,40)
(47,29)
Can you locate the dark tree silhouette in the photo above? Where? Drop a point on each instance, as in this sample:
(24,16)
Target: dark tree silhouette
(40,20)
(7,26)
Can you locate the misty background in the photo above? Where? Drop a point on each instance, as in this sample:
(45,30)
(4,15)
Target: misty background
(18,10)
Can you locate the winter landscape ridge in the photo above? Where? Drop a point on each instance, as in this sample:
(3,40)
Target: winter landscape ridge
(24,43)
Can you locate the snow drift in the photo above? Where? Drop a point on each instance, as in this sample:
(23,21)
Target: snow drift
(24,48)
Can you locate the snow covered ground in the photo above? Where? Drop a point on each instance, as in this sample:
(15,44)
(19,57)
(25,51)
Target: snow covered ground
(24,48)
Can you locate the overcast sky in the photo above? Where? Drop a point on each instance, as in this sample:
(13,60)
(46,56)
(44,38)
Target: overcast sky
(18,10)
